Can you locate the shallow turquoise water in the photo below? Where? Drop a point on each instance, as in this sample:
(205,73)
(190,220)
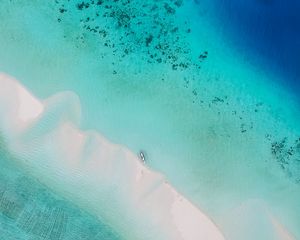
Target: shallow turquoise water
(221,128)
(29,210)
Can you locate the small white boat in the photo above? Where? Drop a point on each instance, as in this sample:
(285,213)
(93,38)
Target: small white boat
(142,157)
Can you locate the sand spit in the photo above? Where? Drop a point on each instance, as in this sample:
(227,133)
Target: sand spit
(106,179)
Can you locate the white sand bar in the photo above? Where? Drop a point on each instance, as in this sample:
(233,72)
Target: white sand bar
(104,178)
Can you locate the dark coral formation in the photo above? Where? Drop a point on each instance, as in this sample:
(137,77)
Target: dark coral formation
(144,28)
(287,155)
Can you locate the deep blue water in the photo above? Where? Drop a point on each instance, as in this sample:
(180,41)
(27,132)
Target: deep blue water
(268,30)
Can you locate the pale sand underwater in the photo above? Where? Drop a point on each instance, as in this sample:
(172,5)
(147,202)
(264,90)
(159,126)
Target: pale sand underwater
(84,167)
(106,179)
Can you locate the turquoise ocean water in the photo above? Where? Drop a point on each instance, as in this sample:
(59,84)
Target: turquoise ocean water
(163,77)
